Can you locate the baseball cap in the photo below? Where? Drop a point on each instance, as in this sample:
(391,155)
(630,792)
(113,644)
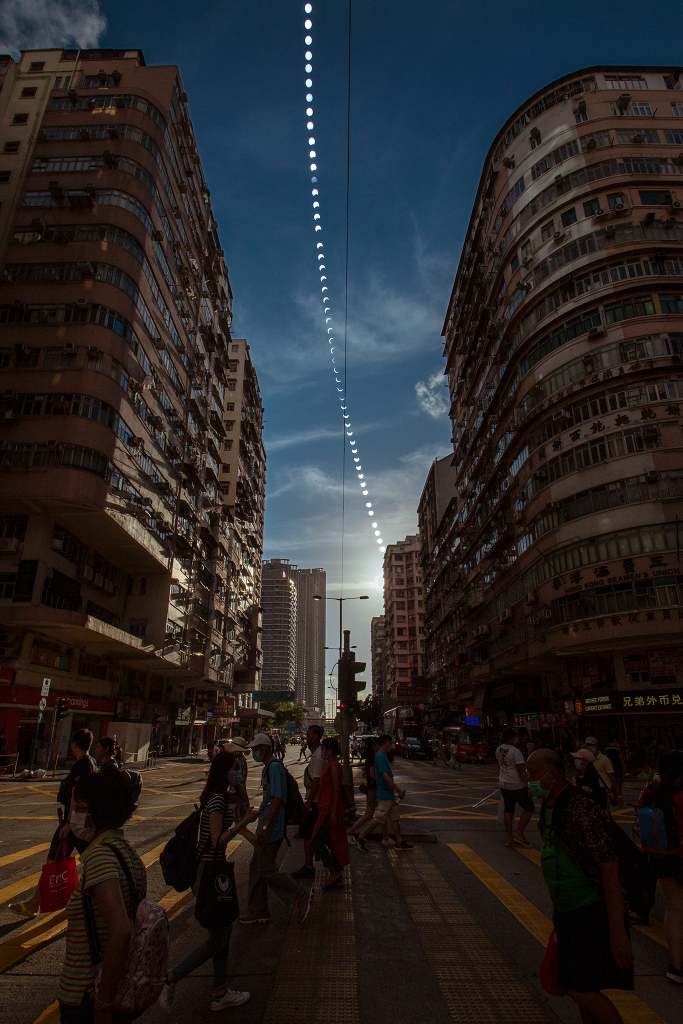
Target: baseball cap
(585,754)
(592,740)
(261,740)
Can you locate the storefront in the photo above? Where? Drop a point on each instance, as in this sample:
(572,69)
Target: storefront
(23,711)
(130,730)
(651,721)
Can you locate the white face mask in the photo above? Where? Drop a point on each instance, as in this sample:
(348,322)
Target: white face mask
(578,762)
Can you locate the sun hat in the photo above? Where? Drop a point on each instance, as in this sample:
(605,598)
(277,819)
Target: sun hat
(585,754)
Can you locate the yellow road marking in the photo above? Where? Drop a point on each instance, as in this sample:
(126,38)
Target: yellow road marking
(654,930)
(10,891)
(10,858)
(28,817)
(631,1008)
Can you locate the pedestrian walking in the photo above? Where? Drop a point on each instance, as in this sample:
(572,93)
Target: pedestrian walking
(302,748)
(513,788)
(369,752)
(217,827)
(81,741)
(666,796)
(605,770)
(588,780)
(386,812)
(104,754)
(355,748)
(113,901)
(582,874)
(271,830)
(329,838)
(118,755)
(312,773)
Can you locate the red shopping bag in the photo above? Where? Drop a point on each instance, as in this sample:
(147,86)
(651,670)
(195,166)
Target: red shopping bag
(549,973)
(57,882)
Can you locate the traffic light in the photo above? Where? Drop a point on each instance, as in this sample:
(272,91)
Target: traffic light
(61,708)
(348,685)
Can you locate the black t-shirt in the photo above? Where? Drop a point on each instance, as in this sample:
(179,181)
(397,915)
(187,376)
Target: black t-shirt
(589,783)
(110,766)
(83,766)
(370,763)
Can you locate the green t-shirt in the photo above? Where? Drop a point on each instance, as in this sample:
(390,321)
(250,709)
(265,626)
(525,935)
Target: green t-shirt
(569,887)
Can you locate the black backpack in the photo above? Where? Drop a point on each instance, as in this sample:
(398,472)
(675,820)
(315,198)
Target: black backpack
(178,858)
(295,809)
(133,781)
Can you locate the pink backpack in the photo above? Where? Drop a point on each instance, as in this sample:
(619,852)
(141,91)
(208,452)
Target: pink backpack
(147,961)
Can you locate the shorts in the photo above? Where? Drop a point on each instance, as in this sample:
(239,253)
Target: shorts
(517,796)
(585,960)
(308,824)
(386,811)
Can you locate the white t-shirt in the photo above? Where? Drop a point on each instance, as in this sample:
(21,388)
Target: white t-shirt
(507,757)
(314,768)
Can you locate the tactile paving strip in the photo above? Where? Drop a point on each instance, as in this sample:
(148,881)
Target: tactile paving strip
(476,983)
(316,980)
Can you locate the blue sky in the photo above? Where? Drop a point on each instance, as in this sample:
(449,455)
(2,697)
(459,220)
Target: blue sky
(432,82)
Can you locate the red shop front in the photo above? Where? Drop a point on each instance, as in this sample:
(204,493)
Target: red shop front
(20,708)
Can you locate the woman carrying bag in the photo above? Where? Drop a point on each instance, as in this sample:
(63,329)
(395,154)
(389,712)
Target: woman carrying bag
(214,886)
(330,841)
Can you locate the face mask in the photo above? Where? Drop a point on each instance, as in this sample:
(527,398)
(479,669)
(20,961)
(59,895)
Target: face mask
(258,756)
(643,777)
(237,776)
(578,762)
(537,790)
(592,749)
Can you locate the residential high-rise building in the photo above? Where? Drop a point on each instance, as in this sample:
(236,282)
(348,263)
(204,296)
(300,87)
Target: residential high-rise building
(377,655)
(279,602)
(125,580)
(563,341)
(310,630)
(404,616)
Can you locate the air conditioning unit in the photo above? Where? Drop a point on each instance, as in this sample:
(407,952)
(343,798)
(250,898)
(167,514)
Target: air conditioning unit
(638,137)
(675,204)
(8,416)
(546,613)
(508,161)
(85,572)
(135,442)
(109,586)
(596,332)
(530,598)
(562,414)
(158,344)
(70,347)
(619,206)
(158,236)
(528,259)
(624,100)
(8,544)
(533,620)
(652,476)
(600,212)
(505,615)
(558,236)
(98,580)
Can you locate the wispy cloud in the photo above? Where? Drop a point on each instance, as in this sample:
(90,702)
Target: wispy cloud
(431,395)
(302,437)
(32,24)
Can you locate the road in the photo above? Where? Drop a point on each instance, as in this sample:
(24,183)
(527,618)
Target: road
(452,931)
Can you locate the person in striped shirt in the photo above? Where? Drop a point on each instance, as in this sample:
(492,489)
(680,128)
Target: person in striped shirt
(109,805)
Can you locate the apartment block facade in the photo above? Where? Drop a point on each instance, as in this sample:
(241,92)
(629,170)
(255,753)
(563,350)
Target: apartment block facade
(377,654)
(554,574)
(279,601)
(309,670)
(125,580)
(403,618)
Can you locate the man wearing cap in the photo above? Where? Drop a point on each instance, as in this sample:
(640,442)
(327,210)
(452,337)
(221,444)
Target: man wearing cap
(605,770)
(271,829)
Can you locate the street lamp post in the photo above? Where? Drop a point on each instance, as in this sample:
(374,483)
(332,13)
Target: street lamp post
(363,597)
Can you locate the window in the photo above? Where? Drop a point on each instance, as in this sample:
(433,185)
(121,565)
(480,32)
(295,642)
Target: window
(229,406)
(634,82)
(229,424)
(4,177)
(143,586)
(672,81)
(20,119)
(398,558)
(535,139)
(138,627)
(652,197)
(94,360)
(568,217)
(635,135)
(591,207)
(36,65)
(677,109)
(580,115)
(234,348)
(59,357)
(58,82)
(527,250)
(27,93)
(615,199)
(515,264)
(671,303)
(639,108)
(596,141)
(12,147)
(628,308)
(225,467)
(548,230)
(227,446)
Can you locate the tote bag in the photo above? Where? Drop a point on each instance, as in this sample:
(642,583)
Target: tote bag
(216,905)
(57,882)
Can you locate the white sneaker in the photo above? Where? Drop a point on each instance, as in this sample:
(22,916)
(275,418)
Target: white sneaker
(167,996)
(230,998)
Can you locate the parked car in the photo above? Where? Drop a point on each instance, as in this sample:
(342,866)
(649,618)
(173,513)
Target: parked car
(413,748)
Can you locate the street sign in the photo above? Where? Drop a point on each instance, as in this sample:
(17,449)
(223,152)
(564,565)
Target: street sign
(42,704)
(45,688)
(40,717)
